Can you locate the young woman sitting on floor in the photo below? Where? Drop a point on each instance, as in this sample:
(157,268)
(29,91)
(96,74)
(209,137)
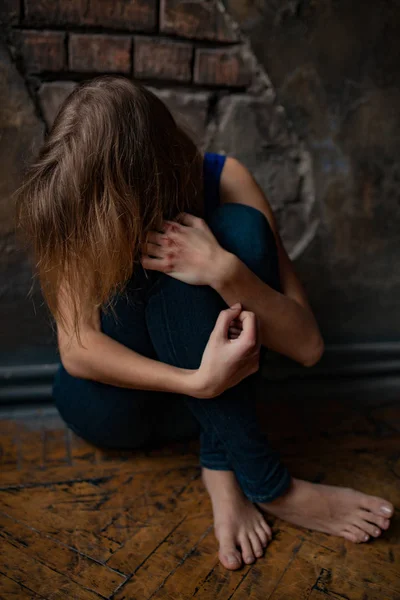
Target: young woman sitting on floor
(165,272)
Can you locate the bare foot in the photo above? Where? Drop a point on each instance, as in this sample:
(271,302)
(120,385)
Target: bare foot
(239,526)
(335,510)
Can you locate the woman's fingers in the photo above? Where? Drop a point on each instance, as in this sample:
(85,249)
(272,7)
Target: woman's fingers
(249,327)
(155,237)
(185,220)
(157,244)
(189,220)
(172,227)
(153,264)
(235,331)
(154,250)
(224,320)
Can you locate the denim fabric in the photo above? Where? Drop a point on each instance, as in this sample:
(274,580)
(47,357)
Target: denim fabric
(171,321)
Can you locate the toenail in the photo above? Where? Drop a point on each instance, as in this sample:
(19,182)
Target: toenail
(386,510)
(366,538)
(232,560)
(377,531)
(249,559)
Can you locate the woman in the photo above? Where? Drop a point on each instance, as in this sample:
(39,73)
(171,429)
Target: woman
(141,244)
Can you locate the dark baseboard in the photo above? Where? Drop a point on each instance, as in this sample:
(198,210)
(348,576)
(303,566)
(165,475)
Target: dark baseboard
(26,383)
(345,368)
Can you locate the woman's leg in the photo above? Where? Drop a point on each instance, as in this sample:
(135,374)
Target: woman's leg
(115,417)
(180,318)
(232,436)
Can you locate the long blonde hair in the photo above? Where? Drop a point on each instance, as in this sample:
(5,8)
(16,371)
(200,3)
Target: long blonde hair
(114,165)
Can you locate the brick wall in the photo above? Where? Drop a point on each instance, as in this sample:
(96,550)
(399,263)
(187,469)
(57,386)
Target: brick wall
(59,42)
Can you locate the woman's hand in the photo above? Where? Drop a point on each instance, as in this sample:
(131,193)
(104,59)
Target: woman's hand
(227,361)
(187,251)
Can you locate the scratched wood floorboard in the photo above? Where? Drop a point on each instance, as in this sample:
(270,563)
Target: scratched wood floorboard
(79,522)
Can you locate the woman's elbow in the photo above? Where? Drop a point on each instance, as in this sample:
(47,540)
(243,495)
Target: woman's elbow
(75,354)
(314,352)
(73,364)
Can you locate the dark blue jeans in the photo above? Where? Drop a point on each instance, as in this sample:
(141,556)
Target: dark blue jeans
(171,321)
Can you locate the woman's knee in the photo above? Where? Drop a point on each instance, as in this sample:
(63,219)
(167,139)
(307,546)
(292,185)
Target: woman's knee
(245,231)
(104,415)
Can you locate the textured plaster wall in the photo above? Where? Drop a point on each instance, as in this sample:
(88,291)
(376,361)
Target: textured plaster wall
(335,68)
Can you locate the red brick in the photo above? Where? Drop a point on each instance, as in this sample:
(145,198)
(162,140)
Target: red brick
(202,19)
(132,15)
(222,67)
(42,50)
(100,53)
(155,58)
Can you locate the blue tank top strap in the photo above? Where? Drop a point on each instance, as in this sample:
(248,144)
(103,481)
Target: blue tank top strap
(212,169)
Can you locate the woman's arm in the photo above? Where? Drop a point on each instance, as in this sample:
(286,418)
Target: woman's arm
(287,324)
(187,250)
(102,359)
(98,357)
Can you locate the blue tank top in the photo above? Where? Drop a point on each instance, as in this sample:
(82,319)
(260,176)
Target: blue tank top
(212,169)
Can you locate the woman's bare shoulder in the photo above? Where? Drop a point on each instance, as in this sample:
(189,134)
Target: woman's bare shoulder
(238,185)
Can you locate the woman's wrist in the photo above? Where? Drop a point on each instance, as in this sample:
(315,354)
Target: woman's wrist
(195,385)
(189,382)
(223,270)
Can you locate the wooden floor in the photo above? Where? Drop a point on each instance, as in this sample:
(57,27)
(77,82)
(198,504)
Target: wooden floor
(80,523)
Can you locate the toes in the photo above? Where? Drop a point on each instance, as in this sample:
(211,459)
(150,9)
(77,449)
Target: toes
(381,522)
(266,528)
(229,554)
(264,539)
(231,561)
(255,541)
(247,551)
(367,527)
(378,506)
(354,534)
(349,536)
